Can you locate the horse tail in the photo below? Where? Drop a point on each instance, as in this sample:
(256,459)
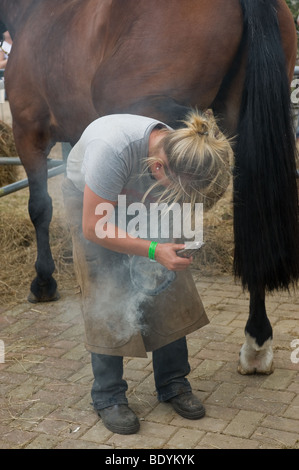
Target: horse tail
(265,191)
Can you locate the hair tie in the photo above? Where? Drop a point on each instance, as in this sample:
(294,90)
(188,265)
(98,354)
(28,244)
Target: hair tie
(202,133)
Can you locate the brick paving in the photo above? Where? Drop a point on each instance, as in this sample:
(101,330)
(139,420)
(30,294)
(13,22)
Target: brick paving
(46,378)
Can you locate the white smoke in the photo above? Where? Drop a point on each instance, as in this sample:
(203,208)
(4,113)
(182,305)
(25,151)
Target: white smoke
(118,305)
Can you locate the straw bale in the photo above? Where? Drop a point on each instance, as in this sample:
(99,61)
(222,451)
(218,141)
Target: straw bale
(18,249)
(216,256)
(18,255)
(8,173)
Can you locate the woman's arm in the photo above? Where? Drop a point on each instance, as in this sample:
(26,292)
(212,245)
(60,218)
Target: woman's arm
(97,229)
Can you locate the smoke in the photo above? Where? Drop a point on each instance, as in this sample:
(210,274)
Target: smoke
(124,285)
(118,305)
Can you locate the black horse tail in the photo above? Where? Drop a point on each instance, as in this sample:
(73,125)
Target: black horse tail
(265,194)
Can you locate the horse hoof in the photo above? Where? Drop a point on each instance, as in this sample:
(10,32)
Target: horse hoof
(255,370)
(32,298)
(256,359)
(43,291)
(243,371)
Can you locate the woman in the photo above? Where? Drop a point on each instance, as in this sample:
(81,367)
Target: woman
(5,49)
(145,161)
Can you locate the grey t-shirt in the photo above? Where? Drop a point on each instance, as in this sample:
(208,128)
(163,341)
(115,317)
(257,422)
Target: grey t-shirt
(110,157)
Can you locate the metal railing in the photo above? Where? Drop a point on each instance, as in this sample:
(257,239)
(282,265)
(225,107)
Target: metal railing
(55,167)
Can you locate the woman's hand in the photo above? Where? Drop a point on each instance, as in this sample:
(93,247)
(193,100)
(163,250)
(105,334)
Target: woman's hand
(165,254)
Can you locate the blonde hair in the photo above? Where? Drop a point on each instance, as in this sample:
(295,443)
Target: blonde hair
(199,158)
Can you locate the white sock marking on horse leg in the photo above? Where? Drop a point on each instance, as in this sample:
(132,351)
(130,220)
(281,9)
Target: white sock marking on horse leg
(254,358)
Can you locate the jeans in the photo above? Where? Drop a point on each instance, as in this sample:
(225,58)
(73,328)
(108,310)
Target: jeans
(170,364)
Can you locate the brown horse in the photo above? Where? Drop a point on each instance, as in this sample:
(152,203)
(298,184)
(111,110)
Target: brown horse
(76,60)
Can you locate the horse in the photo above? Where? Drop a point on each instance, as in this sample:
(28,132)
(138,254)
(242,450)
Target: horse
(74,61)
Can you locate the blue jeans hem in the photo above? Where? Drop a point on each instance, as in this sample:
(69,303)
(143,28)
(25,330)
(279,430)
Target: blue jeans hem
(110,402)
(175,391)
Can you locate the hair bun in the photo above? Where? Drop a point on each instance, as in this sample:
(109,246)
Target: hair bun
(198,124)
(203,129)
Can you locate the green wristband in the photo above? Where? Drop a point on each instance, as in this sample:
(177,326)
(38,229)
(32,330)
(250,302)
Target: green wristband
(151,250)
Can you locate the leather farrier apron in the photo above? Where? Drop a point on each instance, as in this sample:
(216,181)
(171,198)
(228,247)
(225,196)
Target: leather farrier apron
(119,320)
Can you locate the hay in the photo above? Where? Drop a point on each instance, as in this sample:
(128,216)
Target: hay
(17,234)
(216,256)
(18,248)
(18,255)
(8,173)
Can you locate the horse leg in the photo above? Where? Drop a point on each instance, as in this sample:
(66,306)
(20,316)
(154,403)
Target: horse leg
(256,355)
(33,146)
(43,287)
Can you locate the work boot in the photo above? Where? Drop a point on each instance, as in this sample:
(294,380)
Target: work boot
(119,419)
(188,406)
